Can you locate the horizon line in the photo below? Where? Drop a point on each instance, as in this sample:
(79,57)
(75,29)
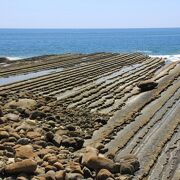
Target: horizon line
(84,28)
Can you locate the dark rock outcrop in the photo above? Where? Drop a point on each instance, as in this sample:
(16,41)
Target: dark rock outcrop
(147,85)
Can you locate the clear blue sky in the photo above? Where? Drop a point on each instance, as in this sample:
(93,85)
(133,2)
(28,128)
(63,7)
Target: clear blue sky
(89,13)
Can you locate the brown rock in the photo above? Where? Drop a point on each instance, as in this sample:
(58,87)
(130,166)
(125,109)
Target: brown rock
(33,135)
(69,142)
(126,168)
(103,174)
(50,167)
(41,153)
(22,103)
(57,140)
(74,167)
(25,152)
(147,85)
(60,175)
(26,166)
(51,159)
(130,159)
(74,176)
(58,165)
(4,134)
(91,160)
(50,175)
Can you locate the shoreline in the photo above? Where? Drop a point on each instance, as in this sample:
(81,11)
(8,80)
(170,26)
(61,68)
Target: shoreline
(117,112)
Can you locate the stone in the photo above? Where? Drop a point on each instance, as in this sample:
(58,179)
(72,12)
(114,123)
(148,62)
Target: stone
(50,158)
(49,136)
(92,160)
(12,117)
(50,175)
(22,103)
(33,135)
(25,166)
(69,142)
(23,141)
(103,174)
(22,176)
(57,140)
(99,146)
(74,167)
(71,127)
(49,168)
(1,112)
(4,134)
(58,165)
(79,142)
(130,159)
(74,176)
(60,175)
(147,85)
(126,168)
(86,172)
(25,152)
(41,153)
(36,114)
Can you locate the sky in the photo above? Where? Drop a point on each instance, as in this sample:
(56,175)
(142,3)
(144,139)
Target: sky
(89,13)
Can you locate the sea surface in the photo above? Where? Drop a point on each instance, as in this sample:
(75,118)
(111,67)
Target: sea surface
(21,43)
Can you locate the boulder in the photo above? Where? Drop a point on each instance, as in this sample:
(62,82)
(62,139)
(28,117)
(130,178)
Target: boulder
(22,103)
(147,85)
(25,166)
(103,174)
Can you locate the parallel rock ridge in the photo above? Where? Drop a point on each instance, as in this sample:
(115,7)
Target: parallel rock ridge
(105,116)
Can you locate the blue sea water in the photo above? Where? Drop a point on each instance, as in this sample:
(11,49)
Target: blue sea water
(19,43)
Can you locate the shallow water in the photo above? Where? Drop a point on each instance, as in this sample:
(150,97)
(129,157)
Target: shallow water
(21,77)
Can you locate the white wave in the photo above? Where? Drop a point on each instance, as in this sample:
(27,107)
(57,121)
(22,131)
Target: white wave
(168,58)
(146,52)
(15,58)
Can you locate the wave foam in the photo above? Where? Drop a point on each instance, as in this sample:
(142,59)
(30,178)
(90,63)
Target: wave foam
(15,58)
(171,58)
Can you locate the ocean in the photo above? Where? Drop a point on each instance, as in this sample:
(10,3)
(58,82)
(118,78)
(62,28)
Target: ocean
(22,43)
